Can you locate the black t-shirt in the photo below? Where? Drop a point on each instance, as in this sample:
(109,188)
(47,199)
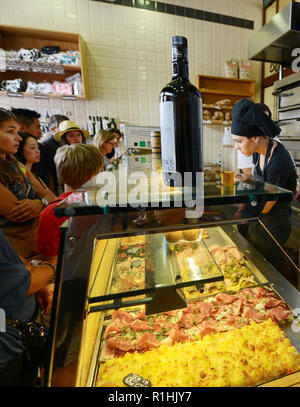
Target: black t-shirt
(280,169)
(110,155)
(51,146)
(43,168)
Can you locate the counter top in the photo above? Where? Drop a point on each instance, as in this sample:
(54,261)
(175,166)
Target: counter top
(137,182)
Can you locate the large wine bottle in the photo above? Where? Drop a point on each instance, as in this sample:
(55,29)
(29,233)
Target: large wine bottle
(180,120)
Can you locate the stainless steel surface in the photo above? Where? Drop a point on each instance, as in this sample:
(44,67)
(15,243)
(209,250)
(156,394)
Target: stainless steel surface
(275,41)
(280,73)
(290,99)
(288,113)
(288,80)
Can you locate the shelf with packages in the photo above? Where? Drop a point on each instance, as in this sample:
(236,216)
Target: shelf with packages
(143,276)
(219,94)
(41,95)
(39,71)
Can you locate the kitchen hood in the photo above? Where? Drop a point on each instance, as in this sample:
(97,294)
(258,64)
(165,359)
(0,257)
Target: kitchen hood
(275,41)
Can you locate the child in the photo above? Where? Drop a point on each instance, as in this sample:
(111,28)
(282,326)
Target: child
(75,165)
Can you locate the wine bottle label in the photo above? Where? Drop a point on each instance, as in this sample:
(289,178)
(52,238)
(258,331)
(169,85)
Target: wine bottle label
(167,130)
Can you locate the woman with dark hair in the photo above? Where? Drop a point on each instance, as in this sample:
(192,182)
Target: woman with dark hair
(28,152)
(253,132)
(22,197)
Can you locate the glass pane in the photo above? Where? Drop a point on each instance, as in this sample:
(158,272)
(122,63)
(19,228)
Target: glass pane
(199,261)
(138,183)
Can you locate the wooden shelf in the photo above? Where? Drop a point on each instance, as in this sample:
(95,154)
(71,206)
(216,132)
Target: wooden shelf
(66,67)
(41,95)
(72,68)
(206,106)
(217,124)
(225,92)
(14,38)
(216,88)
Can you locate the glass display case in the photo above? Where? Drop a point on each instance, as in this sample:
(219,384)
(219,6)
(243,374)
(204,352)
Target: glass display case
(154,271)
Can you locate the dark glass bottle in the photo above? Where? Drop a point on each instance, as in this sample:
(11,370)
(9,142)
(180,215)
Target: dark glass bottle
(180,120)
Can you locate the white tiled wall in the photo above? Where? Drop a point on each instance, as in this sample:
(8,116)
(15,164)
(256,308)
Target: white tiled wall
(129,52)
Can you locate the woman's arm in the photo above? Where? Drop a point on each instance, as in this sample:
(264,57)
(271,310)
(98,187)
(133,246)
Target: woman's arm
(42,191)
(27,209)
(8,201)
(40,276)
(18,211)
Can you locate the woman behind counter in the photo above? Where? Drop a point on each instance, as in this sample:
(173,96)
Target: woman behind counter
(105,140)
(253,132)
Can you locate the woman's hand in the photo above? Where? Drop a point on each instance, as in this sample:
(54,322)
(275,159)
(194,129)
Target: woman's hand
(242,176)
(25,210)
(45,298)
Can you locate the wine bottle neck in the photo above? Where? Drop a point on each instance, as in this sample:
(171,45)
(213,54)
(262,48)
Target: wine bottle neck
(180,68)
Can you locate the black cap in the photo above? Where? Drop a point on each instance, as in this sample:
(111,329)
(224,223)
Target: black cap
(249,120)
(179,40)
(179,49)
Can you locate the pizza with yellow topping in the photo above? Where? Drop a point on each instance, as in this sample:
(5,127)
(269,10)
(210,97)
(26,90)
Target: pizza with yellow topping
(241,357)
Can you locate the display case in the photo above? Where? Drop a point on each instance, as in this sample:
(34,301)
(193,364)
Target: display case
(157,286)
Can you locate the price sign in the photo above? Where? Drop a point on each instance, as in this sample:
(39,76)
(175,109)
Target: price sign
(15,94)
(23,66)
(66,97)
(11,65)
(36,67)
(58,69)
(41,96)
(135,380)
(46,68)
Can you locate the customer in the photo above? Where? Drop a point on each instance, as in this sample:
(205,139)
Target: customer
(22,197)
(29,122)
(51,145)
(17,298)
(70,133)
(75,164)
(105,141)
(115,151)
(253,133)
(28,152)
